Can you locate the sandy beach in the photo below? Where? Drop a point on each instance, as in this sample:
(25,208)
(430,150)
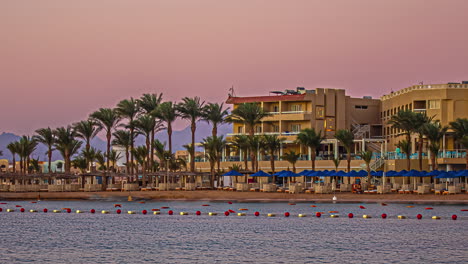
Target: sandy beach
(238,196)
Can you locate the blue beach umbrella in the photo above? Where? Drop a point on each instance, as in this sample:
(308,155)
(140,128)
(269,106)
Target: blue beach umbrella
(233,173)
(260,173)
(362,173)
(462,173)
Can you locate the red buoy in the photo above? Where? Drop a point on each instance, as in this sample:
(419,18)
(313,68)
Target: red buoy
(454,217)
(68,210)
(362,207)
(226,213)
(92,211)
(229,202)
(198,213)
(429,208)
(464,210)
(205,205)
(286,214)
(170,212)
(45,210)
(318,214)
(22,210)
(232,211)
(144,212)
(165,207)
(350,215)
(384,216)
(18,205)
(1,209)
(419,216)
(118,211)
(256,213)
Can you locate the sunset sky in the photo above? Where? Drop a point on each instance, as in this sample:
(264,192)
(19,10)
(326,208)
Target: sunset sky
(61,60)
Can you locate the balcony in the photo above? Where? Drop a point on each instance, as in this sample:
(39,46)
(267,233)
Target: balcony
(288,115)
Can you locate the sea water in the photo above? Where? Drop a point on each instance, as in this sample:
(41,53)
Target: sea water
(112,238)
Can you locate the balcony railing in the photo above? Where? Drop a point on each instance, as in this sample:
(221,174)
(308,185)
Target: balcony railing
(265,133)
(289,112)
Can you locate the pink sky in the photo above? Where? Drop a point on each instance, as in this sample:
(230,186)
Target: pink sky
(61,60)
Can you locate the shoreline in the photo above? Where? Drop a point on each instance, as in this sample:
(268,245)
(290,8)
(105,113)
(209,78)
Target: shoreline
(223,196)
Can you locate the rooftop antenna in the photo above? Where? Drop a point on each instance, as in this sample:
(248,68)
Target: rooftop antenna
(231,92)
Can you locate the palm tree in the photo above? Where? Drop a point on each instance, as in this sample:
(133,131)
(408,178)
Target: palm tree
(191,109)
(311,139)
(216,115)
(292,158)
(27,145)
(86,130)
(460,127)
(213,151)
(256,145)
(122,139)
(249,114)
(405,147)
(107,119)
(101,161)
(129,109)
(141,154)
(167,112)
(90,156)
(419,121)
(272,145)
(404,121)
(367,158)
(13,148)
(46,136)
(149,103)
(80,163)
(434,132)
(346,138)
(114,156)
(241,143)
(145,125)
(66,144)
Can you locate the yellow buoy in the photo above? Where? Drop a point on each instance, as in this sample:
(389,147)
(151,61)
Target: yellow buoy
(271,215)
(211,213)
(301,215)
(130,198)
(401,217)
(436,217)
(366,216)
(131,212)
(10,210)
(33,211)
(156,212)
(79,211)
(334,216)
(241,214)
(104,212)
(56,211)
(183,213)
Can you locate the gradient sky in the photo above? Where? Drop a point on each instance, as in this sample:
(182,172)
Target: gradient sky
(61,60)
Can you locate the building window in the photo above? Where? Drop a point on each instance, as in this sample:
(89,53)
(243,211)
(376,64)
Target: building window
(276,108)
(319,112)
(258,129)
(434,104)
(330,124)
(296,128)
(360,106)
(240,130)
(296,107)
(275,128)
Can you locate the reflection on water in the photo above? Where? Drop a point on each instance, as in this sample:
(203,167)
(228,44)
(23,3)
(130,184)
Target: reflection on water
(112,238)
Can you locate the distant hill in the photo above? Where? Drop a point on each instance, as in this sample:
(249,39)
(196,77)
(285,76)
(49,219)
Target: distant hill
(179,138)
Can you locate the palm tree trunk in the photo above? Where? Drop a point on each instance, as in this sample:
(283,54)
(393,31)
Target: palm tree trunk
(127,161)
(148,154)
(132,147)
(49,155)
(152,150)
(192,149)
(420,146)
(312,158)
(348,160)
(214,131)
(169,136)
(14,163)
(272,161)
(245,160)
(466,154)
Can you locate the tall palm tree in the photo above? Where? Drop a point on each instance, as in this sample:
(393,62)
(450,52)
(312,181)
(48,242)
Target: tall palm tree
(292,158)
(46,136)
(272,145)
(405,147)
(129,109)
(13,148)
(310,138)
(434,132)
(86,130)
(66,144)
(249,114)
(419,121)
(149,103)
(216,115)
(241,143)
(346,138)
(167,112)
(460,127)
(122,139)
(256,145)
(192,110)
(145,125)
(106,119)
(404,121)
(367,158)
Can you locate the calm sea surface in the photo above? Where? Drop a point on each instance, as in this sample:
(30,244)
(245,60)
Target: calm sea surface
(111,238)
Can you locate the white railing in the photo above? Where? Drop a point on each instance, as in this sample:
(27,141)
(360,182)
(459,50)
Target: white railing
(377,164)
(452,153)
